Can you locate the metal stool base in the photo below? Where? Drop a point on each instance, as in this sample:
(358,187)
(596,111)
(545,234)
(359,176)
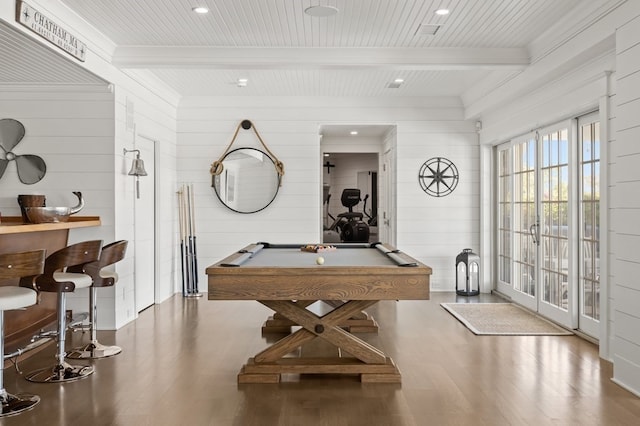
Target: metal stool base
(16,404)
(60,373)
(94,351)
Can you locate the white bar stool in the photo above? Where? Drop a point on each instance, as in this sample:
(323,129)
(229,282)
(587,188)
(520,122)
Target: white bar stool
(102,277)
(56,279)
(24,266)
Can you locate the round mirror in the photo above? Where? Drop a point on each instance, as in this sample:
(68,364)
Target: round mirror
(249,180)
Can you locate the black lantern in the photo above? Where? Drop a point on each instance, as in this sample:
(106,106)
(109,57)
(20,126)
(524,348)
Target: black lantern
(468,273)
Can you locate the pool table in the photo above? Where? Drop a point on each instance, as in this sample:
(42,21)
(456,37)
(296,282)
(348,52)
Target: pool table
(288,280)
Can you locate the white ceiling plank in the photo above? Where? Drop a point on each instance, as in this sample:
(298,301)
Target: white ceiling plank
(323,58)
(274,43)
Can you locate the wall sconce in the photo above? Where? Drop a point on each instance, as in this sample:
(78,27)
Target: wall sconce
(137,168)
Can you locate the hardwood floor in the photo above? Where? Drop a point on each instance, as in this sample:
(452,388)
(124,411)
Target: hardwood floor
(180,360)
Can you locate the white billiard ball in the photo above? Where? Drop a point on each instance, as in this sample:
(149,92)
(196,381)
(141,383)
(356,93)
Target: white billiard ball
(320,260)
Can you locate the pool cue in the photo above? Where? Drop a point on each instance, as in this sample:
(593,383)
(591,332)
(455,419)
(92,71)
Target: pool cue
(188,245)
(182,240)
(192,289)
(189,240)
(196,293)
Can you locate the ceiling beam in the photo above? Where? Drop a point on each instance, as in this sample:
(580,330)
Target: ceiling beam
(320,58)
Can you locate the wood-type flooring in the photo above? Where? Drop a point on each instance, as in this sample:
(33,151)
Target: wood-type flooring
(181,358)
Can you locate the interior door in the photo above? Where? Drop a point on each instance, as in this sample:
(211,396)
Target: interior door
(144,229)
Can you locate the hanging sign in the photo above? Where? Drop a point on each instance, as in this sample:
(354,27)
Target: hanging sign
(46,28)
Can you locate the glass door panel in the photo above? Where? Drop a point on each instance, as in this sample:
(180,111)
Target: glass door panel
(589,217)
(504,216)
(517,250)
(554,223)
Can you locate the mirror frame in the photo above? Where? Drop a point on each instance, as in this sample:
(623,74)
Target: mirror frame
(275,194)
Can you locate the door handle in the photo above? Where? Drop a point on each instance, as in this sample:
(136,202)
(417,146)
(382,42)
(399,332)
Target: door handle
(533,230)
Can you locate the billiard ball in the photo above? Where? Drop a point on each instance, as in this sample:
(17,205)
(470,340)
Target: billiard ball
(320,260)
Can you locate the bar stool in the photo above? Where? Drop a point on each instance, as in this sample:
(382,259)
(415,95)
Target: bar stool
(56,279)
(25,266)
(111,253)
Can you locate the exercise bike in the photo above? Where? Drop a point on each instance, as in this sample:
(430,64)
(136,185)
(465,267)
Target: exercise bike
(329,235)
(349,225)
(371,220)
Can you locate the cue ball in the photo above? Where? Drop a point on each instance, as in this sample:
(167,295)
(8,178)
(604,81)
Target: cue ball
(320,260)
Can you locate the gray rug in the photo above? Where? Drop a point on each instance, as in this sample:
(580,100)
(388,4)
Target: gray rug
(502,319)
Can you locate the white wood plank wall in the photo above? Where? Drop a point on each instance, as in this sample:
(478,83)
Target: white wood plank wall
(154,119)
(80,134)
(626,207)
(433,230)
(72,130)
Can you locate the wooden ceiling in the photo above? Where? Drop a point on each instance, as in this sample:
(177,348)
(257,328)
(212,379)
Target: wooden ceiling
(284,52)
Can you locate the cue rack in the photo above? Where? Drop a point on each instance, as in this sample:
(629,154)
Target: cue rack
(188,252)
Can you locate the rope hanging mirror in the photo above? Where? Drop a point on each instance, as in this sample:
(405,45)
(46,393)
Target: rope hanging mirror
(246,180)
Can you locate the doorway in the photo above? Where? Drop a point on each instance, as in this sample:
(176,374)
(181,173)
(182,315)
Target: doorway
(344,171)
(548,204)
(351,156)
(144,228)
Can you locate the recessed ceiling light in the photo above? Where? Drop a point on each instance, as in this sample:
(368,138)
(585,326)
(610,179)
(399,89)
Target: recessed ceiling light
(242,82)
(395,84)
(326,155)
(200,9)
(321,11)
(442,12)
(354,132)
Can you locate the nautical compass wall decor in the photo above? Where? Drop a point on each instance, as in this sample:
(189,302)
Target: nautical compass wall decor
(438,177)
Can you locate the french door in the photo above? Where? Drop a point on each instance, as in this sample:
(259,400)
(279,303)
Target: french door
(536,209)
(548,226)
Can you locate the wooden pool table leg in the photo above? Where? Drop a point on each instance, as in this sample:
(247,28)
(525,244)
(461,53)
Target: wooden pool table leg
(368,362)
(361,322)
(277,323)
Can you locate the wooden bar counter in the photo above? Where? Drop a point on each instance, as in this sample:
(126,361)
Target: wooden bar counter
(17,236)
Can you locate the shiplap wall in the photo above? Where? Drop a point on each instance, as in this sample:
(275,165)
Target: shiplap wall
(156,120)
(73,131)
(432,230)
(626,207)
(80,134)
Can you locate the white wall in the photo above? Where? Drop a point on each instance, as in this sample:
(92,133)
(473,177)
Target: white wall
(72,130)
(289,126)
(625,202)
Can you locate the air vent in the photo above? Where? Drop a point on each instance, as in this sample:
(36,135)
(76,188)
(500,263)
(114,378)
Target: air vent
(427,29)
